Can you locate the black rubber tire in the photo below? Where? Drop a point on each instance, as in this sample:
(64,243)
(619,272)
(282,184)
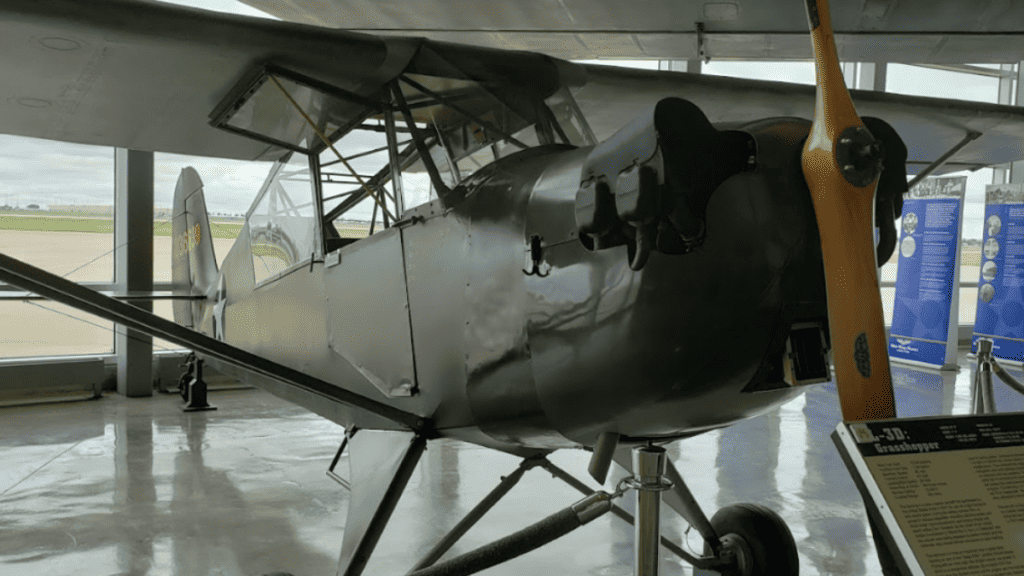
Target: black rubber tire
(183,383)
(771,543)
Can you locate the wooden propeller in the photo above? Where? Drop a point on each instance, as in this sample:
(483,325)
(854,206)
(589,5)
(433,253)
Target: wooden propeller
(841,163)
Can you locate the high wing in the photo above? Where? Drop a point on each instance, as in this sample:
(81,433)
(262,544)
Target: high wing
(105,72)
(929,126)
(146,75)
(910,31)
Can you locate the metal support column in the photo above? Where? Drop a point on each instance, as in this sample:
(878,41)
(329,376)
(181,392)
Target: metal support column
(672,65)
(584,489)
(133,264)
(689,66)
(871,76)
(1017,168)
(1004,95)
(865,75)
(649,464)
(983,395)
(849,70)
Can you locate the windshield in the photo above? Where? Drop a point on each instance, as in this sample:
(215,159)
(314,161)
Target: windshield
(374,158)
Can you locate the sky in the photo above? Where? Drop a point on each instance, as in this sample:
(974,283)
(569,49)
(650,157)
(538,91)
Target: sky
(45,172)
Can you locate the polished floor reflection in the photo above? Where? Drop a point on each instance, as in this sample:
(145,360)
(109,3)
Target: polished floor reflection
(137,487)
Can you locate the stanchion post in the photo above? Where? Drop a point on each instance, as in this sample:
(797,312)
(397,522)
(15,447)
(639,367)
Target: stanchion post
(984,398)
(649,464)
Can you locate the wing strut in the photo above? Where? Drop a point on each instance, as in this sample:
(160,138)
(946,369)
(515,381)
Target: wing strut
(841,163)
(33,279)
(967,139)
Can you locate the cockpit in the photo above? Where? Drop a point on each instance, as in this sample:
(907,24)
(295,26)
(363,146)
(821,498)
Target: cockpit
(357,164)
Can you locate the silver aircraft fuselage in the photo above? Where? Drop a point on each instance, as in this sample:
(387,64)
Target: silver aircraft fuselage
(521,361)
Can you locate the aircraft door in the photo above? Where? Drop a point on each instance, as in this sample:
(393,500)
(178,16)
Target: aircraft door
(368,308)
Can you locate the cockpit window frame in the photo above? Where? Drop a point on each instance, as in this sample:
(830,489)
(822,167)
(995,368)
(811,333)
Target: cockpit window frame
(403,98)
(318,241)
(252,82)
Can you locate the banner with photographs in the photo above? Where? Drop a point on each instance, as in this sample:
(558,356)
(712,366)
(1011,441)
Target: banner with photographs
(927,279)
(1000,314)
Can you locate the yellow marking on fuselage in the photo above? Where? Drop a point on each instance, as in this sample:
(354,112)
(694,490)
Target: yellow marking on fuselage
(187,241)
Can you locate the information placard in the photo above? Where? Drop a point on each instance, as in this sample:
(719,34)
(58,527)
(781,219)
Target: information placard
(927,280)
(947,492)
(1000,313)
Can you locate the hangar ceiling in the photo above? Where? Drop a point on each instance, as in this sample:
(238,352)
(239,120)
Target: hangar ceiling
(909,31)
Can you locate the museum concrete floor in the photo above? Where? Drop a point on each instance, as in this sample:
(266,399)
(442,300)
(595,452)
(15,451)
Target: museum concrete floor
(137,487)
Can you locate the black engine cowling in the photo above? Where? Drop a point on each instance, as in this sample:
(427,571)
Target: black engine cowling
(648,185)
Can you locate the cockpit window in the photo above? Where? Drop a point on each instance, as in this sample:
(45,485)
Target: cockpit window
(282,223)
(414,141)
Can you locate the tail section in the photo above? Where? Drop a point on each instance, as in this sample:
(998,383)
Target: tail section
(193,264)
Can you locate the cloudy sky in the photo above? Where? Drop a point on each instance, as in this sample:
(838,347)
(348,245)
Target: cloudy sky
(45,172)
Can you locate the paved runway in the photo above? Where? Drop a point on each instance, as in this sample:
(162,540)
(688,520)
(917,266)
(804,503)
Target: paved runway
(136,487)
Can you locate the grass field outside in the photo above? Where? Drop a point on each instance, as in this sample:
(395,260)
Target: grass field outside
(970,256)
(35,223)
(102,225)
(41,222)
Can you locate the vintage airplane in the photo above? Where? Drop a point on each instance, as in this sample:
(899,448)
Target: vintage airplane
(591,261)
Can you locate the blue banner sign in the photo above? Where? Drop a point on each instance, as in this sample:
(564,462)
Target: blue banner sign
(927,277)
(1000,313)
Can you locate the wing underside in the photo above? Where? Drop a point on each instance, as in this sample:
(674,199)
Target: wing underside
(929,126)
(910,31)
(147,75)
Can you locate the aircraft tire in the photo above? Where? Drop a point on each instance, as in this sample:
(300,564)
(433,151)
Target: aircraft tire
(760,538)
(183,383)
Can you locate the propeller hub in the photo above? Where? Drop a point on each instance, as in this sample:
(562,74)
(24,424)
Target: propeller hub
(859,156)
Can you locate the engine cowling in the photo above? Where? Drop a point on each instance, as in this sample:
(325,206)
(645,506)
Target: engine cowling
(648,185)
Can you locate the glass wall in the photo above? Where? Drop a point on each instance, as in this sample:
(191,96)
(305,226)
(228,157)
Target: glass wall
(56,212)
(45,328)
(229,187)
(919,81)
(796,72)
